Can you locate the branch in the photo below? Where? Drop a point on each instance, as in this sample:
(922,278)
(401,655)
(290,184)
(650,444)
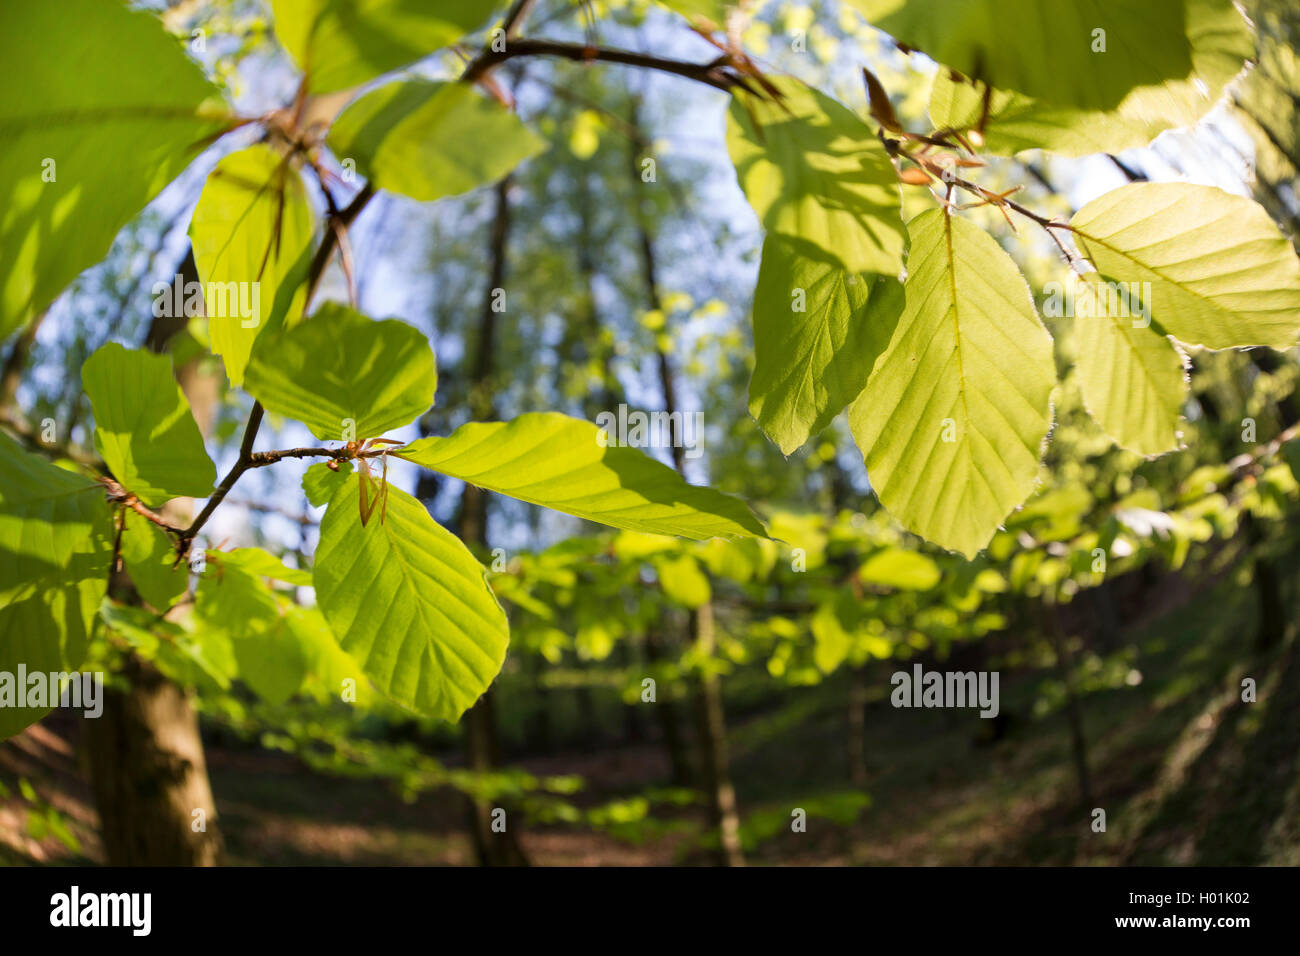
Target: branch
(716,73)
(115,493)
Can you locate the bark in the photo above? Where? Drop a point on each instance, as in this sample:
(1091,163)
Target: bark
(16,363)
(149,776)
(145,754)
(724,819)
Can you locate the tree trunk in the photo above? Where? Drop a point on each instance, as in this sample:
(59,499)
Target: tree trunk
(1073,712)
(147,769)
(857,735)
(149,777)
(710,721)
(723,818)
(482,747)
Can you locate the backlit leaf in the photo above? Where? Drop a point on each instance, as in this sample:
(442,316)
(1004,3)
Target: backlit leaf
(818,330)
(251,232)
(426,139)
(143,427)
(410,603)
(1220,273)
(344,375)
(952,421)
(101,109)
(567,464)
(818,177)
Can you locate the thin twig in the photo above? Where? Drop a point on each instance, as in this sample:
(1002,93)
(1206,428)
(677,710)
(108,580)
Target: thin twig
(716,73)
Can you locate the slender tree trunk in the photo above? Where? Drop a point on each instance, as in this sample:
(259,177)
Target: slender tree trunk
(1073,712)
(145,754)
(723,817)
(857,735)
(482,746)
(710,722)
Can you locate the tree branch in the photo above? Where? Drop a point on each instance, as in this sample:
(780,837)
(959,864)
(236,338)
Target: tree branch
(716,73)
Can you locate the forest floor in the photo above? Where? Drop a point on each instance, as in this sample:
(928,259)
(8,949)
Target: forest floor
(1186,773)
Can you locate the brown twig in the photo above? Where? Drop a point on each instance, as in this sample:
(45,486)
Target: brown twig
(716,73)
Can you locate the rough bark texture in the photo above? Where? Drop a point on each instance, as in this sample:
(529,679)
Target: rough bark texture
(149,776)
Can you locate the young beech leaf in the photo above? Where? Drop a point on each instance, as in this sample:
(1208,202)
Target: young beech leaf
(143,427)
(682,581)
(1221,43)
(818,177)
(251,233)
(46,515)
(570,465)
(953,418)
(343,43)
(56,534)
(1220,273)
(343,375)
(321,481)
(1081,53)
(101,110)
(427,139)
(409,603)
(1131,377)
(818,330)
(150,559)
(897,568)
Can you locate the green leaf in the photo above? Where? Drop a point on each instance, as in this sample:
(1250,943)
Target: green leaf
(251,232)
(272,660)
(410,603)
(1220,273)
(343,375)
(1017,122)
(1131,377)
(143,427)
(818,330)
(320,481)
(818,177)
(106,96)
(55,550)
(189,655)
(259,563)
(1046,51)
(150,559)
(683,581)
(426,139)
(46,515)
(233,599)
(1221,44)
(343,43)
(831,638)
(952,421)
(900,569)
(568,465)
